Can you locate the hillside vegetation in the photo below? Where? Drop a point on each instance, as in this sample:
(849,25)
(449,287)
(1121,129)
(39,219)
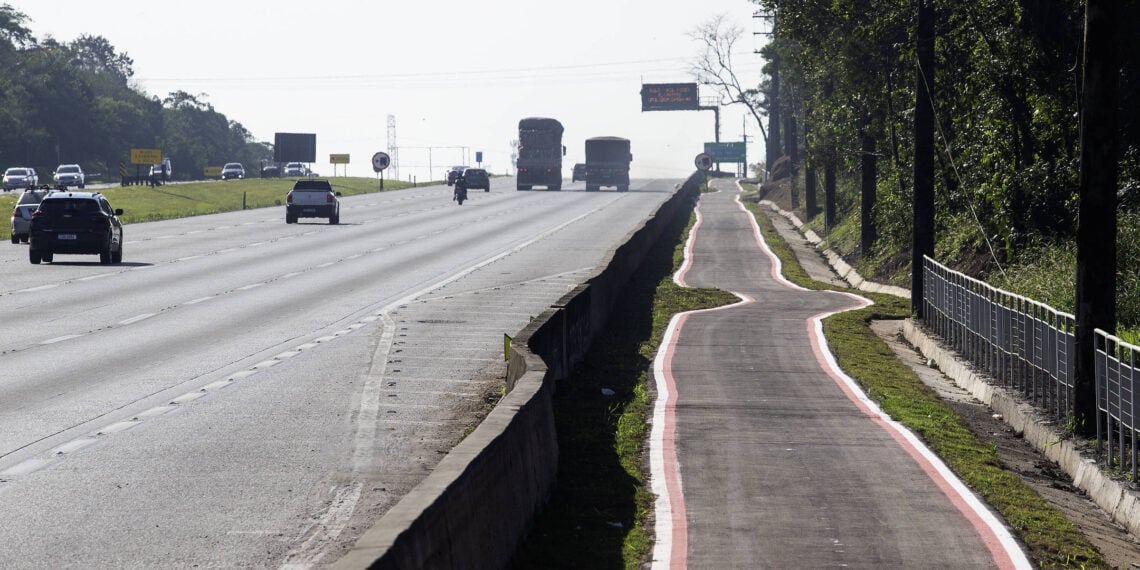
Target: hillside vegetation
(74,102)
(1006,97)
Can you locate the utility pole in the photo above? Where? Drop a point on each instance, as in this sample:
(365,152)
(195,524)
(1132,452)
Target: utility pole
(1097,181)
(922,242)
(744,137)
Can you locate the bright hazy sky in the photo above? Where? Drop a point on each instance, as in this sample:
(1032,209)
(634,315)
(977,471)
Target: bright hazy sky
(453,73)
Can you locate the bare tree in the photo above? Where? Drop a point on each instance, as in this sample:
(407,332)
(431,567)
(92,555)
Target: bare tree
(714,67)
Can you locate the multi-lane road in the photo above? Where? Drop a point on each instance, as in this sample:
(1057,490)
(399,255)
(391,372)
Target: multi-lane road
(242,392)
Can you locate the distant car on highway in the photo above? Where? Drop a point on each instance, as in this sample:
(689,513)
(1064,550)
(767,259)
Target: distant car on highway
(76,222)
(233,170)
(579,172)
(271,171)
(20,177)
(477,178)
(312,198)
(26,204)
(296,169)
(69,175)
(161,172)
(455,172)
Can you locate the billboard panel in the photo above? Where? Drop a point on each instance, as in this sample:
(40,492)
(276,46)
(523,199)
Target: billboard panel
(294,147)
(146,155)
(726,151)
(669,97)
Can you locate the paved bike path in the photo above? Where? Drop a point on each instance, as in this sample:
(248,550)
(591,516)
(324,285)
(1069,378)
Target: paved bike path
(765,456)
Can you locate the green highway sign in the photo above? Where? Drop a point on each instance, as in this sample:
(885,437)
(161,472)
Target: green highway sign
(726,152)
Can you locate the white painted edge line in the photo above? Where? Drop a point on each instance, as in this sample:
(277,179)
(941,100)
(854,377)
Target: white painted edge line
(188,397)
(118,427)
(198,300)
(250,286)
(26,467)
(74,445)
(217,385)
(155,411)
(61,338)
(40,288)
(136,319)
(94,277)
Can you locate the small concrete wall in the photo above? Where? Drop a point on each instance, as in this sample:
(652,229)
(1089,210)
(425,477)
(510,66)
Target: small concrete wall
(476,505)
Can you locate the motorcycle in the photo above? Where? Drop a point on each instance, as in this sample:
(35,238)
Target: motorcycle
(460,191)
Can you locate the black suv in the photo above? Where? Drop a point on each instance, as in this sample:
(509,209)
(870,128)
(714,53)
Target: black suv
(477,178)
(76,222)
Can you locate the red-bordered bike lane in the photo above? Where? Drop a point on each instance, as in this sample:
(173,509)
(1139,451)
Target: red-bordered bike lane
(765,455)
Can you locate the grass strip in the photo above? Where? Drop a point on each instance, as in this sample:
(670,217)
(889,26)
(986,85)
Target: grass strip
(1052,540)
(148,204)
(598,513)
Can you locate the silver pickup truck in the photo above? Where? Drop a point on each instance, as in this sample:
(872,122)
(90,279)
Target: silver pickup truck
(312,198)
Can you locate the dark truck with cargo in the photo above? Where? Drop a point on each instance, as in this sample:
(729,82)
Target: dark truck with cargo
(607,163)
(540,154)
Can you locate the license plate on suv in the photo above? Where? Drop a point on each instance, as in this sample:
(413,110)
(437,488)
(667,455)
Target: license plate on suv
(65,236)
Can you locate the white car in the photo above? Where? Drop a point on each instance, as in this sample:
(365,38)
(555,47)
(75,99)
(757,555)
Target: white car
(296,169)
(20,177)
(26,204)
(233,170)
(69,175)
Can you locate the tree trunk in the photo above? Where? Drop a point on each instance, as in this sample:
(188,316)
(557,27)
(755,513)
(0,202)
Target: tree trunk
(809,171)
(923,231)
(792,147)
(829,194)
(1096,229)
(868,233)
(772,148)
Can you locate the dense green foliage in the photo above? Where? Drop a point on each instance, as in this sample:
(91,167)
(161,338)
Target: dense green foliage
(74,103)
(1006,100)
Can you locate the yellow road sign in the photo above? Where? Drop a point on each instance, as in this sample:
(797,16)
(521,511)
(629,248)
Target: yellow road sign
(213,172)
(338,159)
(146,155)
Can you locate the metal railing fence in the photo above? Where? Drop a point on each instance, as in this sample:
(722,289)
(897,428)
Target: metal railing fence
(1031,347)
(1021,343)
(1116,377)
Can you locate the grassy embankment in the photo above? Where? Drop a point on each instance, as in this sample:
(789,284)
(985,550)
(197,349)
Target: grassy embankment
(147,204)
(598,515)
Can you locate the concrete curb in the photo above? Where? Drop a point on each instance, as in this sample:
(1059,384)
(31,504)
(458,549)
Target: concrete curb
(476,505)
(845,271)
(1121,503)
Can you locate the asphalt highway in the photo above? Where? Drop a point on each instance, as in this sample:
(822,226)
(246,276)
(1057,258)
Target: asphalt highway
(244,393)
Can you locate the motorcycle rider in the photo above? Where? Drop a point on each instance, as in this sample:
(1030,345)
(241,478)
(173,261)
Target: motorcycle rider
(460,190)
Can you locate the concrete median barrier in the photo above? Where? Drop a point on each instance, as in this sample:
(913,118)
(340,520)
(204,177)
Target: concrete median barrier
(476,505)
